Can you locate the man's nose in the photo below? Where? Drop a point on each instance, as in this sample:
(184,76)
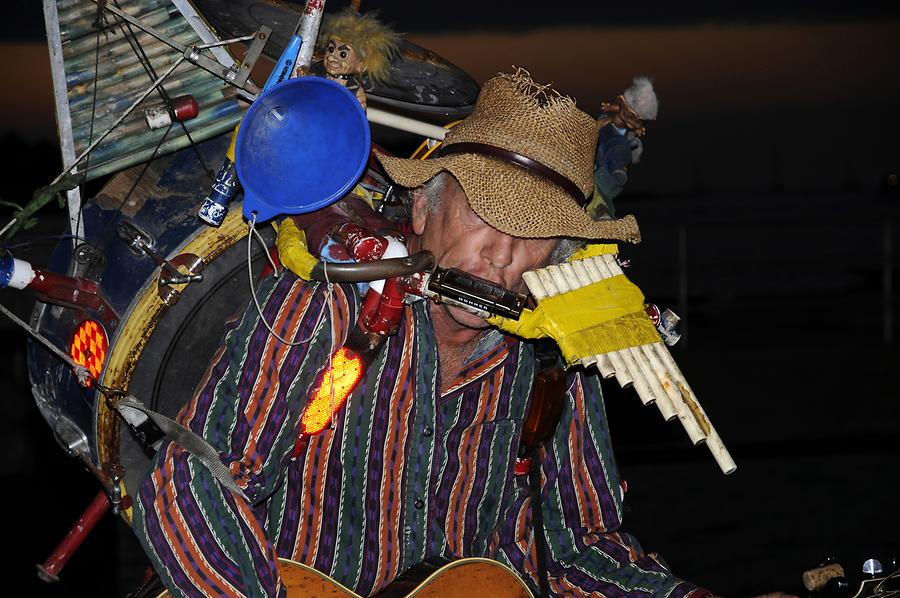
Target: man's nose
(498,251)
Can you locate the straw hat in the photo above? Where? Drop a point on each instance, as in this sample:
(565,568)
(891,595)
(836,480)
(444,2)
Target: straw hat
(525,158)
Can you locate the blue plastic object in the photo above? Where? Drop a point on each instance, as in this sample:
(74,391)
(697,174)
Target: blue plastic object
(7,267)
(302,145)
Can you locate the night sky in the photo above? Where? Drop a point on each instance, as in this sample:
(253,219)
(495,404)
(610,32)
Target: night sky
(768,198)
(824,77)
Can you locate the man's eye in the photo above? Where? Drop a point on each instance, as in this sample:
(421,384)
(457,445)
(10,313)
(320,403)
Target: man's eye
(344,54)
(331,49)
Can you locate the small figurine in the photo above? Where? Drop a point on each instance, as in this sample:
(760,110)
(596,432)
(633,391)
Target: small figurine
(619,145)
(356,49)
(632,108)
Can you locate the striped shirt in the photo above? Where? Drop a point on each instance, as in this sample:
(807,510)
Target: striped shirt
(406,472)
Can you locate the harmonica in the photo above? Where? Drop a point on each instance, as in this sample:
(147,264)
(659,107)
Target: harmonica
(477,295)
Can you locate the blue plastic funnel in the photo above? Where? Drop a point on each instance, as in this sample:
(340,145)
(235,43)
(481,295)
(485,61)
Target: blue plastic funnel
(302,145)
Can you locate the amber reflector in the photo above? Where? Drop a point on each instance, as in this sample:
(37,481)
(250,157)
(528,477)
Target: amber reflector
(331,394)
(88,348)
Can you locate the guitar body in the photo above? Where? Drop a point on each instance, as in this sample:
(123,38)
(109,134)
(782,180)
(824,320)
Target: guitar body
(455,579)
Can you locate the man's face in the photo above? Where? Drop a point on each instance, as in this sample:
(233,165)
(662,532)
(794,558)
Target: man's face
(458,238)
(341,58)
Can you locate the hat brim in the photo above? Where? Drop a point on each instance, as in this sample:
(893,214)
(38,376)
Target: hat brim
(511,199)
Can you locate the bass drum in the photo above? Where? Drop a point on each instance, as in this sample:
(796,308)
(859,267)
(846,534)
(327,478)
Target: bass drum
(166,368)
(162,351)
(162,337)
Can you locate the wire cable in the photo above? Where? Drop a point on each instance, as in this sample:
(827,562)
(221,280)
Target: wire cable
(328,295)
(142,57)
(81,372)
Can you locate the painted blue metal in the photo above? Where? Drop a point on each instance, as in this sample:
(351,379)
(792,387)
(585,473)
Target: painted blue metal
(168,215)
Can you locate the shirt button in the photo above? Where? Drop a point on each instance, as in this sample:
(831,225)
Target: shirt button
(428,431)
(419,503)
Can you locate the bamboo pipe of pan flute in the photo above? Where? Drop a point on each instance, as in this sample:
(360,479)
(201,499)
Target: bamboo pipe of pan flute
(607,266)
(688,398)
(603,364)
(665,401)
(615,364)
(615,367)
(566,277)
(649,368)
(540,292)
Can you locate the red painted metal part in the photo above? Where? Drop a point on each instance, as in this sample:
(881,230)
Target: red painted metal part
(78,293)
(362,244)
(654,313)
(369,307)
(386,317)
(523,465)
(49,570)
(185,108)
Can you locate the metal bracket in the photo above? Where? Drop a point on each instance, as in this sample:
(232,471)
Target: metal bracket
(193,55)
(170,272)
(256,48)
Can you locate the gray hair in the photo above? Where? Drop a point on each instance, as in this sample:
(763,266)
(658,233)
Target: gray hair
(642,98)
(433,190)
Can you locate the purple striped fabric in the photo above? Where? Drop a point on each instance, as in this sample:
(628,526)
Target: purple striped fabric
(406,473)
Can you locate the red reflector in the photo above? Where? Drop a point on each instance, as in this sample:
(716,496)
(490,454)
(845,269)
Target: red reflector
(88,348)
(523,465)
(337,384)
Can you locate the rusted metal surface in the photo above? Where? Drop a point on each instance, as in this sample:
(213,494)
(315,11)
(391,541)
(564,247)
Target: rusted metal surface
(185,263)
(688,397)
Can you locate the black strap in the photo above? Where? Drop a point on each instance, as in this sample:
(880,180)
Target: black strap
(529,164)
(537,523)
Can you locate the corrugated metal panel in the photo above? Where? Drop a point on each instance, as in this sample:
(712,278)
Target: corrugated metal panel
(104,75)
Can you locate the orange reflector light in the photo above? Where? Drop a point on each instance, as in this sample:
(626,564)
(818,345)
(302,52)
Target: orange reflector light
(88,348)
(337,384)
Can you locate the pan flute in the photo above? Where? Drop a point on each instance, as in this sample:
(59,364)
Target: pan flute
(649,369)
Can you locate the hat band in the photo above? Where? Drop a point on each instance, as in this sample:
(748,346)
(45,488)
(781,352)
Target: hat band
(532,166)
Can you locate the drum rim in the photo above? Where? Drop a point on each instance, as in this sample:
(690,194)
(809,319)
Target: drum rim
(137,324)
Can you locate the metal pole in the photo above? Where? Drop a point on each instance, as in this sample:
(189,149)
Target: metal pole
(63,118)
(308,30)
(404,123)
(124,115)
(203,32)
(888,280)
(49,569)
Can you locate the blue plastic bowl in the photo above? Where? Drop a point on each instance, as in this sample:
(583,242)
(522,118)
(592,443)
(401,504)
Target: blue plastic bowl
(302,145)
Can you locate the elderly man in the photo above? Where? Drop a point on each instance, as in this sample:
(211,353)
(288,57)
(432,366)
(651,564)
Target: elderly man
(419,462)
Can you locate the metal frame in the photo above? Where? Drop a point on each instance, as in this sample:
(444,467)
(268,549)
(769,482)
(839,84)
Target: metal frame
(203,31)
(63,117)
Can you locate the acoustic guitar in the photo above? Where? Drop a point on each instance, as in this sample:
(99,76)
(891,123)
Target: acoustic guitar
(462,578)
